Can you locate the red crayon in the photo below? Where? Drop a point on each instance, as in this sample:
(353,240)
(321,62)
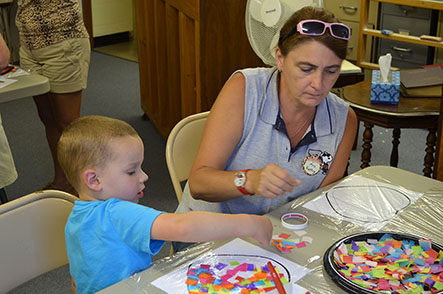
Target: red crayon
(276,279)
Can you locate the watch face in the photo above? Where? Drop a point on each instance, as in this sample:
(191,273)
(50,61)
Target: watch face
(240,179)
(239,182)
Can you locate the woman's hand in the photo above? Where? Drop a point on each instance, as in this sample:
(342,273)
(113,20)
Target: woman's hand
(270,182)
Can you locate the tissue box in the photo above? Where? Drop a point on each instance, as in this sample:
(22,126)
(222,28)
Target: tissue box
(385,92)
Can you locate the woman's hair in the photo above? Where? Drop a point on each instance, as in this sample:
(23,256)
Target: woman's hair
(338,46)
(85,144)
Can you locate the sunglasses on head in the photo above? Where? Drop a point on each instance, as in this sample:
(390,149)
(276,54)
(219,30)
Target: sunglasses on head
(315,27)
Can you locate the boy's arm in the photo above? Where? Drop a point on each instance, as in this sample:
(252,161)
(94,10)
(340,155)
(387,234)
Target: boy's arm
(74,287)
(201,226)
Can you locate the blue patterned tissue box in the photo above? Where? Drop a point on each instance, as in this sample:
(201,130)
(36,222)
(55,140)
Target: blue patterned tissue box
(385,92)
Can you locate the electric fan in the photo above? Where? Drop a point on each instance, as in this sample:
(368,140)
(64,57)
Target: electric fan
(264,18)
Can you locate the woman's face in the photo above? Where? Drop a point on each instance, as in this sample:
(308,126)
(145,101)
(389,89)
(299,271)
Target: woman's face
(308,72)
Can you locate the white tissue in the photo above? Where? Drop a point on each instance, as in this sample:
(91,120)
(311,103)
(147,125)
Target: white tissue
(385,65)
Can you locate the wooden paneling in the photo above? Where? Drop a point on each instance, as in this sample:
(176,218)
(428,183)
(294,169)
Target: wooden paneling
(190,103)
(187,50)
(224,46)
(439,152)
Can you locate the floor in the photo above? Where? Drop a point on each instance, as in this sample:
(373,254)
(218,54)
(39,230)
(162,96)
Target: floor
(125,50)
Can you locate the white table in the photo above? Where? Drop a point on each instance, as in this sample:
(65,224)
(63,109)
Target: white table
(423,218)
(26,86)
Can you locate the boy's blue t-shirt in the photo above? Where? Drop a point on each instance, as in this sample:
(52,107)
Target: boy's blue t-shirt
(108,241)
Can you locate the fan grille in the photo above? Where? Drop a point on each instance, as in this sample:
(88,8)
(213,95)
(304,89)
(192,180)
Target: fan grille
(260,37)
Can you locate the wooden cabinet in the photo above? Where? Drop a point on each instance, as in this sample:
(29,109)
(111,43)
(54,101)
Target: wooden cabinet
(439,51)
(366,31)
(438,174)
(348,12)
(407,20)
(187,50)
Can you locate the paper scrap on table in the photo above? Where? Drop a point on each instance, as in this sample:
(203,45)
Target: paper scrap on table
(286,245)
(174,282)
(364,202)
(6,82)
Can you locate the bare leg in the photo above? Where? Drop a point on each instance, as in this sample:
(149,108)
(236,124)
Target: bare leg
(57,111)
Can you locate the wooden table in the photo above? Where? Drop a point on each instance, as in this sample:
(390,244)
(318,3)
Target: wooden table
(420,113)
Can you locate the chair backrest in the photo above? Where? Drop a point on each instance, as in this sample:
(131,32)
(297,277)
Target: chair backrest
(32,239)
(181,148)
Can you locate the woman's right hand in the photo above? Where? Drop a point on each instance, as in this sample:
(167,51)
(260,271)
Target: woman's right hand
(270,182)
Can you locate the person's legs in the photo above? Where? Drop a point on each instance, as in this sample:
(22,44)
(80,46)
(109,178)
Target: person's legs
(57,111)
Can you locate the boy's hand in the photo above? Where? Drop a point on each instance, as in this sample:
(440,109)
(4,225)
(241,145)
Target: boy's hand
(263,229)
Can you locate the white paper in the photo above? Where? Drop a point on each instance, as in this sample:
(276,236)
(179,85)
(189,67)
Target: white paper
(174,282)
(5,82)
(364,202)
(297,289)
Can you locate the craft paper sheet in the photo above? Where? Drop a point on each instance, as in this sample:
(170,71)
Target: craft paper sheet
(364,202)
(174,282)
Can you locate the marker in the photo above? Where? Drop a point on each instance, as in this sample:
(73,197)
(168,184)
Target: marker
(276,279)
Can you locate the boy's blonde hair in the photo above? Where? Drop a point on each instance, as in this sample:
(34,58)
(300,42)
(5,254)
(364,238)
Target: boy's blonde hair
(85,144)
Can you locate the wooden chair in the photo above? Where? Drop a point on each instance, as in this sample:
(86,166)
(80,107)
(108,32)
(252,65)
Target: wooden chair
(181,148)
(32,238)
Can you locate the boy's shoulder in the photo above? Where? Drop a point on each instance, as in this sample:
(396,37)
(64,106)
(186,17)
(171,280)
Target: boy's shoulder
(113,209)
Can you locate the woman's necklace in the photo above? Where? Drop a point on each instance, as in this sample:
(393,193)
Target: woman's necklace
(302,126)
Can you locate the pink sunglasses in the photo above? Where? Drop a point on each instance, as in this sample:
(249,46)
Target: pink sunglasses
(315,27)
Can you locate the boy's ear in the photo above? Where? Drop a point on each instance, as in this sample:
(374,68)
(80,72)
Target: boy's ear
(91,180)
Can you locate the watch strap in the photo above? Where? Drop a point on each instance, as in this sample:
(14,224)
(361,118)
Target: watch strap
(242,188)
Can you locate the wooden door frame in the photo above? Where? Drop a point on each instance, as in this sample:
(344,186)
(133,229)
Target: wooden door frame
(87,18)
(438,166)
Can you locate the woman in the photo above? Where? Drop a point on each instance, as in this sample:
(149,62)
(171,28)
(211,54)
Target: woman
(275,134)
(54,43)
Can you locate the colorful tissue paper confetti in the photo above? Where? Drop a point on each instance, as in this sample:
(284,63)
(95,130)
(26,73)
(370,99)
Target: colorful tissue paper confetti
(243,278)
(283,244)
(395,266)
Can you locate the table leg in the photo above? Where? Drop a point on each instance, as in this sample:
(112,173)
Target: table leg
(354,147)
(3,198)
(430,149)
(395,143)
(367,139)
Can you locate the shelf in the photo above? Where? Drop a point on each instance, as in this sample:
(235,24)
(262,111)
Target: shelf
(403,38)
(365,31)
(438,5)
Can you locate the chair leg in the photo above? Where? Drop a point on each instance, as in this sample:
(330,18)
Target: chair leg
(3,197)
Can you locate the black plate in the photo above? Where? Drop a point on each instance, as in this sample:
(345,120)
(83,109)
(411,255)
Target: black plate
(333,270)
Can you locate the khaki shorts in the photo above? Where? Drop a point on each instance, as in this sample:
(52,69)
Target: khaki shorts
(65,64)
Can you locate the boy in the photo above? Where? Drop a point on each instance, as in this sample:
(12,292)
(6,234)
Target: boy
(108,235)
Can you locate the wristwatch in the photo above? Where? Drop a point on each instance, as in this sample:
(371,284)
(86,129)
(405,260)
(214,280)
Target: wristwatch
(240,180)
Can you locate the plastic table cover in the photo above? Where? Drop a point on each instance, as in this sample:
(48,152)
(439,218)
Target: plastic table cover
(374,199)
